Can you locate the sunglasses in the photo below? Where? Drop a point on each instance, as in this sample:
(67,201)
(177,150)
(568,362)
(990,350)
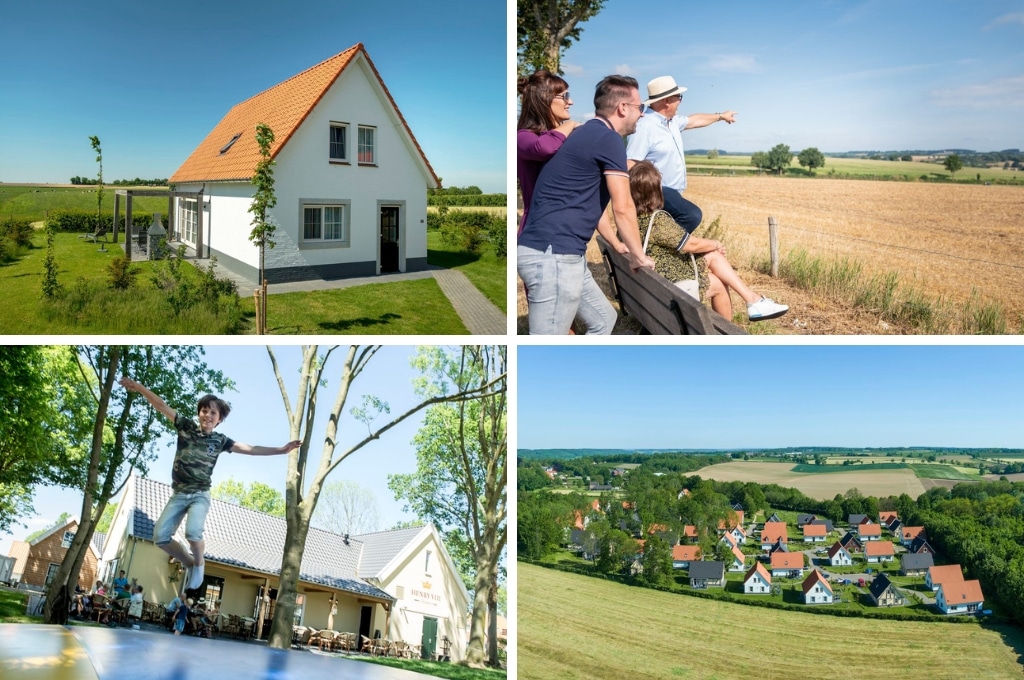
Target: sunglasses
(564,96)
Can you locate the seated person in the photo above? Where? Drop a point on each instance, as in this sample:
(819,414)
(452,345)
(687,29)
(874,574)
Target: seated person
(668,242)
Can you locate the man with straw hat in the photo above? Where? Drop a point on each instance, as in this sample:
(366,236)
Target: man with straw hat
(658,139)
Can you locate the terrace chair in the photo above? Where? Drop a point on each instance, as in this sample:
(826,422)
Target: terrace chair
(100,233)
(326,639)
(366,645)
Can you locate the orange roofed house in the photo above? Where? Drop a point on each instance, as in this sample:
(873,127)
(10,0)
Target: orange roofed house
(350,179)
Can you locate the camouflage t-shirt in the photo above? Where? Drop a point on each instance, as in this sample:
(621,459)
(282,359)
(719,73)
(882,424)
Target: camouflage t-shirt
(196,455)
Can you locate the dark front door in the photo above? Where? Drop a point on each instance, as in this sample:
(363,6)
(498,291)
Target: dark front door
(364,623)
(388,239)
(429,641)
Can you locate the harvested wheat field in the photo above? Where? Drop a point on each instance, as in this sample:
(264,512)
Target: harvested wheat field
(819,485)
(942,238)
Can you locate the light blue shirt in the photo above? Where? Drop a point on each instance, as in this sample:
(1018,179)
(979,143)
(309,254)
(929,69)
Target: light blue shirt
(659,140)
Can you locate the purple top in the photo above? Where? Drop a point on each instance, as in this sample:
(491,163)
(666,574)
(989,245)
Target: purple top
(532,152)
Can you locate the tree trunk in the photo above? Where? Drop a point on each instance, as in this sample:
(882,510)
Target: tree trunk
(72,564)
(492,624)
(288,588)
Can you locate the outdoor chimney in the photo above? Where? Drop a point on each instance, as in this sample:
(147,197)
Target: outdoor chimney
(157,237)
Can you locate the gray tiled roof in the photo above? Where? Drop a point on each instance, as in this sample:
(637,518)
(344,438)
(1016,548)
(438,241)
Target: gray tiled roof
(917,561)
(381,547)
(710,569)
(254,540)
(97,542)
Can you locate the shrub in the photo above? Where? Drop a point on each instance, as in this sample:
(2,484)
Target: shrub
(17,232)
(498,236)
(465,230)
(51,288)
(84,222)
(122,273)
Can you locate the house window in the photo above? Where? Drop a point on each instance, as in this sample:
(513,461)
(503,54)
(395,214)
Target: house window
(51,571)
(339,142)
(367,152)
(426,564)
(68,537)
(325,223)
(188,219)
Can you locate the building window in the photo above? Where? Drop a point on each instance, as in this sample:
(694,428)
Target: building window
(325,223)
(51,571)
(367,151)
(426,565)
(68,537)
(188,219)
(339,142)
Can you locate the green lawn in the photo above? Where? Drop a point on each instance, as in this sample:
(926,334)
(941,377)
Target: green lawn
(12,607)
(438,669)
(485,271)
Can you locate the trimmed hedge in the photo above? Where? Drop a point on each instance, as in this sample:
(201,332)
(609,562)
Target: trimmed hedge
(726,597)
(468,200)
(83,221)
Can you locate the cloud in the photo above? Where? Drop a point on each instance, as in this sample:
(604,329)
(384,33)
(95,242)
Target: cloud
(572,69)
(1017,18)
(730,63)
(625,70)
(998,93)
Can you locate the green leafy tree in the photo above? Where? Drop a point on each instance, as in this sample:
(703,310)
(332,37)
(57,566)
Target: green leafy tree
(811,158)
(780,158)
(657,562)
(759,160)
(616,550)
(51,287)
(95,142)
(461,473)
(713,154)
(953,164)
(546,28)
(301,491)
(114,432)
(263,199)
(104,522)
(255,496)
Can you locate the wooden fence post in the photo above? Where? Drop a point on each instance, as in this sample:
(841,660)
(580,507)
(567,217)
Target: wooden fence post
(259,320)
(773,244)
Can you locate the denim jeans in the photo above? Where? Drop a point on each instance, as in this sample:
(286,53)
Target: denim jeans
(560,288)
(686,214)
(195,504)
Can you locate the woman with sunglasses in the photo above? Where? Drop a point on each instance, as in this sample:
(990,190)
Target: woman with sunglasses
(543,125)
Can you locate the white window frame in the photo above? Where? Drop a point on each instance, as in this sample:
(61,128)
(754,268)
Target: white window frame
(188,220)
(65,541)
(344,158)
(51,571)
(344,240)
(372,145)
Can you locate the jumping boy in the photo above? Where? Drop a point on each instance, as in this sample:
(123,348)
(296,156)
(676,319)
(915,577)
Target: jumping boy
(197,452)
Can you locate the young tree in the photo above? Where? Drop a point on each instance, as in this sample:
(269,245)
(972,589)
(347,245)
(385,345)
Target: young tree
(712,154)
(811,158)
(346,507)
(302,494)
(115,431)
(953,164)
(461,473)
(95,141)
(780,158)
(546,28)
(263,199)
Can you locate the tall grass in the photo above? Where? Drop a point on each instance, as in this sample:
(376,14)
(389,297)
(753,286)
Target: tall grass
(892,300)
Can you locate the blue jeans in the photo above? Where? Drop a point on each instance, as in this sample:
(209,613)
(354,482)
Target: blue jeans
(560,288)
(195,504)
(686,214)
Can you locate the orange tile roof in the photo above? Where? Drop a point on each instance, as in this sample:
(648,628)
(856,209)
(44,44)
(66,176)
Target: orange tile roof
(685,553)
(962,592)
(910,533)
(869,530)
(283,107)
(787,560)
(758,568)
(738,554)
(774,531)
(888,516)
(946,574)
(878,548)
(815,530)
(690,531)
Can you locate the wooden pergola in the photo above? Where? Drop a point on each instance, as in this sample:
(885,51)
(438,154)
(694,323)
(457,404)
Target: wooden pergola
(129,194)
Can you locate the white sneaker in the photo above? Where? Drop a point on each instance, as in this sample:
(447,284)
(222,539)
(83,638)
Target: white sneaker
(195,580)
(765,308)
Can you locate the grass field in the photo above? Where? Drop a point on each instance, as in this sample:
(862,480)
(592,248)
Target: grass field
(573,626)
(950,241)
(863,167)
(821,486)
(492,209)
(32,201)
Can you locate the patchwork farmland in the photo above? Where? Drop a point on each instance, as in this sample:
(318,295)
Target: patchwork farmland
(574,626)
(819,485)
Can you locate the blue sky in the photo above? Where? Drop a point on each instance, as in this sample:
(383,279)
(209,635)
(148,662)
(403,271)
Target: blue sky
(697,396)
(258,418)
(838,75)
(152,79)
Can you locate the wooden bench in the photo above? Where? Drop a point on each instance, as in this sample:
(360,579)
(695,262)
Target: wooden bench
(660,307)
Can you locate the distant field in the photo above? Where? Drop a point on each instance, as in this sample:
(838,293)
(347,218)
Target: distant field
(574,626)
(493,209)
(937,471)
(821,486)
(947,240)
(862,167)
(31,201)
